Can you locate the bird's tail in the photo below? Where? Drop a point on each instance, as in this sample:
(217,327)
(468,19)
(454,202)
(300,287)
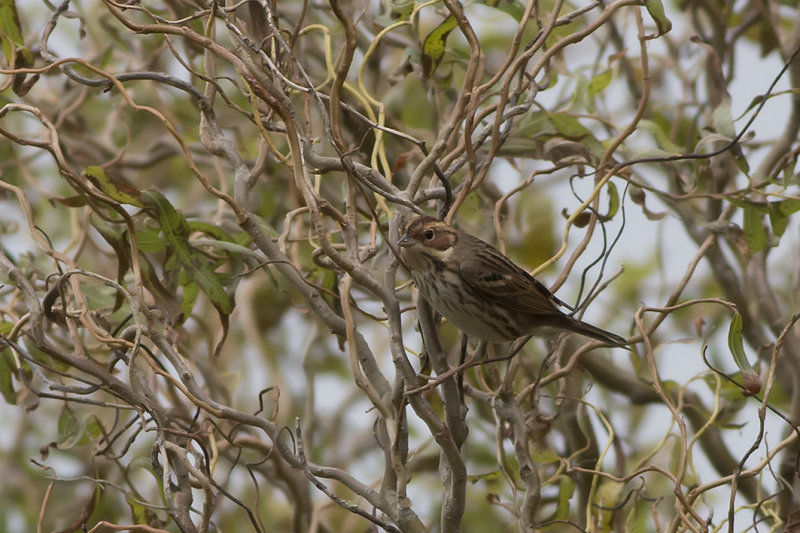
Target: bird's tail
(596,333)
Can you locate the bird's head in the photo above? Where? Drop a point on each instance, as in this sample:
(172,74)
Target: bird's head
(425,236)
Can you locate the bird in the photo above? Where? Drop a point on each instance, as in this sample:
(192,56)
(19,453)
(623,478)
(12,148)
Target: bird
(481,291)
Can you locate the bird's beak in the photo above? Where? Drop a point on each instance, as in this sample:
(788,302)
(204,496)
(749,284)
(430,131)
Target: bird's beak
(405,241)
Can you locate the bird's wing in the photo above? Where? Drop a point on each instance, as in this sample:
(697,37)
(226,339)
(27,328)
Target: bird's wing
(495,277)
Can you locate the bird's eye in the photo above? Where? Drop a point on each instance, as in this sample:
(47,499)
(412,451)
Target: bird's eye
(429,235)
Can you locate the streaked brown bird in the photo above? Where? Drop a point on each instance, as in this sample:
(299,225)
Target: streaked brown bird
(480,290)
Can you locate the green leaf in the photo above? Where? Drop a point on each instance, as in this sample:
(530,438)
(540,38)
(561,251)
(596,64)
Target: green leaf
(190,292)
(121,247)
(600,82)
(723,119)
(9,22)
(568,126)
(70,431)
(566,490)
(735,344)
(140,513)
(779,213)
(613,201)
(755,102)
(70,201)
(533,124)
(660,131)
(433,46)
(608,496)
(544,455)
(114,188)
(754,232)
(537,128)
(194,264)
(210,229)
(656,10)
(10,29)
(144,463)
(149,240)
(758,207)
(580,94)
(740,160)
(486,476)
(788,171)
(8,369)
(397,10)
(175,230)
